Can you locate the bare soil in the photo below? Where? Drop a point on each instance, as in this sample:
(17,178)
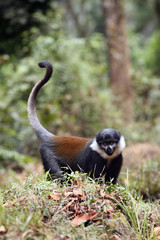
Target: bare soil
(136,154)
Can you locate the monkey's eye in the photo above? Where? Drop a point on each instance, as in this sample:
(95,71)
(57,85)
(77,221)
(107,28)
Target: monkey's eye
(105,143)
(111,142)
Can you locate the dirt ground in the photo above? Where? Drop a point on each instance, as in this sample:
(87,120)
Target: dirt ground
(138,153)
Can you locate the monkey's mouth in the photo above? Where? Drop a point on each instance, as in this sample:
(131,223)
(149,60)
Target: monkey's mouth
(109,151)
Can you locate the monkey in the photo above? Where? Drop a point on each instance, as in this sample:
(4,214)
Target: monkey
(98,157)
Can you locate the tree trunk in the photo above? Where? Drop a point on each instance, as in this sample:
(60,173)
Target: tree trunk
(118,55)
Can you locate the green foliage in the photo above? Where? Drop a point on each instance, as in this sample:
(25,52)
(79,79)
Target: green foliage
(153,54)
(89,20)
(137,215)
(13,159)
(77,100)
(73,102)
(145,80)
(141,15)
(18,20)
(147,179)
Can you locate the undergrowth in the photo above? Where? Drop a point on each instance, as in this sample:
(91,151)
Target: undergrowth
(144,180)
(79,209)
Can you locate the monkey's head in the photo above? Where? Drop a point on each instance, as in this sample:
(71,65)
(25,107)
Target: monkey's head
(109,140)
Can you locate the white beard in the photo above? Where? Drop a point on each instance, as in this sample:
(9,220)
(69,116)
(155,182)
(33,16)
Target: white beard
(94,146)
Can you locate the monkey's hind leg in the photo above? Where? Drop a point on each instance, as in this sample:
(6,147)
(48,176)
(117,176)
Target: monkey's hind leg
(50,163)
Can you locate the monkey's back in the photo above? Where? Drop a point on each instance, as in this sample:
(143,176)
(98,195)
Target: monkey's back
(76,152)
(69,147)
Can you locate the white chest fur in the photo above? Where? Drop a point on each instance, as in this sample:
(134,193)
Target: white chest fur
(94,146)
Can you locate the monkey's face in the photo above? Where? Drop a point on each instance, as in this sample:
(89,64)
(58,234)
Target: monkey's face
(108,140)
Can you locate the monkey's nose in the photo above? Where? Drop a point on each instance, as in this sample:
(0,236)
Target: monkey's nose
(109,151)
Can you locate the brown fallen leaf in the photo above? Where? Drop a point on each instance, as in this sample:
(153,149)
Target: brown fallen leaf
(79,219)
(109,212)
(98,187)
(75,192)
(156,232)
(76,182)
(67,194)
(2,230)
(9,203)
(78,192)
(55,196)
(108,202)
(115,237)
(102,192)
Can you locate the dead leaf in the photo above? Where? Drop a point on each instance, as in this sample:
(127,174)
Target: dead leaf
(54,196)
(68,193)
(75,192)
(78,192)
(102,193)
(115,237)
(98,187)
(92,215)
(108,202)
(109,212)
(76,182)
(156,232)
(9,203)
(79,219)
(2,230)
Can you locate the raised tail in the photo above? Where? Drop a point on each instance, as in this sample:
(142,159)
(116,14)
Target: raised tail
(41,132)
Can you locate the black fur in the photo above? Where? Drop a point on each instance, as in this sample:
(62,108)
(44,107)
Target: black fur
(88,161)
(109,134)
(93,160)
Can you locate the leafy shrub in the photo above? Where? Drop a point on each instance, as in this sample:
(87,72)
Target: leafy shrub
(73,102)
(145,78)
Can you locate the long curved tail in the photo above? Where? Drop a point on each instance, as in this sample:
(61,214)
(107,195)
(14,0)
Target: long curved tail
(41,132)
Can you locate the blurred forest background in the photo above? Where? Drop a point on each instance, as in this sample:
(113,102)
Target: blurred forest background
(106,59)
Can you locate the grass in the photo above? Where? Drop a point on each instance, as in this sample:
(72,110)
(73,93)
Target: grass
(145,180)
(39,209)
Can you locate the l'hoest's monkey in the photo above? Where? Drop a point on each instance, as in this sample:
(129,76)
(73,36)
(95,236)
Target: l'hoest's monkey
(99,156)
